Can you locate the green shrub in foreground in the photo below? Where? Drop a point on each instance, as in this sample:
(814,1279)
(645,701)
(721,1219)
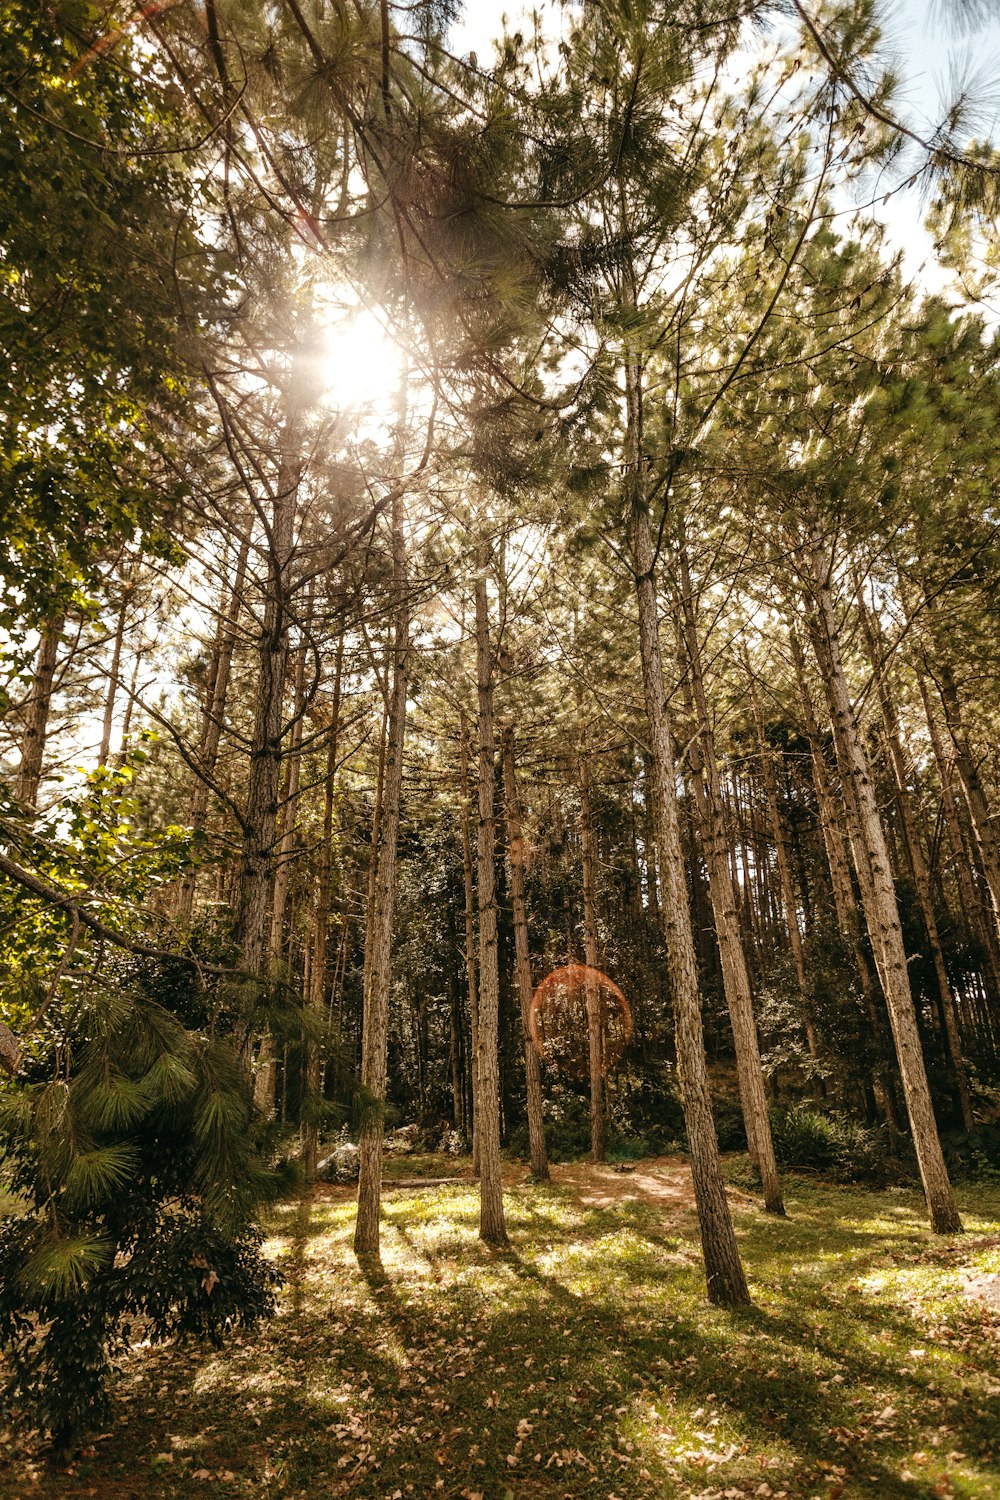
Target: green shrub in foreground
(136,1161)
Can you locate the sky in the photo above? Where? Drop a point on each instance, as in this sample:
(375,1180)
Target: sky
(926,41)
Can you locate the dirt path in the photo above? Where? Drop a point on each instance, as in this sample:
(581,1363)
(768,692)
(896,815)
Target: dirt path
(663,1181)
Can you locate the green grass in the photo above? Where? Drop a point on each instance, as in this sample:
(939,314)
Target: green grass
(583,1363)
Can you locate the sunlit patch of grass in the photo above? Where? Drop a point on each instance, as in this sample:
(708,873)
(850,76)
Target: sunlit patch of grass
(583,1362)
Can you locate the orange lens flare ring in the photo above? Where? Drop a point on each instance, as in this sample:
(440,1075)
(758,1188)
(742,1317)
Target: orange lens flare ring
(558,1019)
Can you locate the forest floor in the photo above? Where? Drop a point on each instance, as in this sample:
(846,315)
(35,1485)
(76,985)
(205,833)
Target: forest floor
(583,1363)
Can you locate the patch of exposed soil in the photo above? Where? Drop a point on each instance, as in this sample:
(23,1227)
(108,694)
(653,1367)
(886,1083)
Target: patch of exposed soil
(664,1181)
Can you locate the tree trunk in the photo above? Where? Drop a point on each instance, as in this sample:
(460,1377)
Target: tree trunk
(784,868)
(522,961)
(492,1229)
(264,1079)
(735,975)
(378,937)
(978,922)
(845,904)
(470,936)
(213,715)
(133,688)
(595,1028)
(983,828)
(879,901)
(260,814)
(316,993)
(918,865)
(113,678)
(723,1269)
(29,772)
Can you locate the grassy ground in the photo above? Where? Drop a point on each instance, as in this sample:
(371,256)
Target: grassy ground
(584,1362)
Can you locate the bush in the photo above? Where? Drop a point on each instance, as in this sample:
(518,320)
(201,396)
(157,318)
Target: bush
(973,1153)
(133,1150)
(842,1148)
(646,1115)
(644,1119)
(567,1127)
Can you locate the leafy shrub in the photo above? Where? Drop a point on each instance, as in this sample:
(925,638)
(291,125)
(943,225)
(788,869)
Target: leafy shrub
(843,1148)
(645,1111)
(132,1146)
(69,1300)
(567,1127)
(974,1153)
(644,1119)
(627,1147)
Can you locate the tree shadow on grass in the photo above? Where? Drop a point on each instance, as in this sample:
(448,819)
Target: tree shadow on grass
(791,1407)
(593,1328)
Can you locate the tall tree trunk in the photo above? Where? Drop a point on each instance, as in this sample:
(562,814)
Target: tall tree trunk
(918,865)
(845,904)
(130,701)
(470,935)
(595,1027)
(492,1229)
(878,894)
(264,1079)
(29,772)
(114,671)
(213,715)
(455,1040)
(723,1269)
(735,975)
(522,961)
(260,813)
(788,899)
(316,993)
(978,922)
(987,840)
(378,937)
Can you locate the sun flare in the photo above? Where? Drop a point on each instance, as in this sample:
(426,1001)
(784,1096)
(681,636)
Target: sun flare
(361,365)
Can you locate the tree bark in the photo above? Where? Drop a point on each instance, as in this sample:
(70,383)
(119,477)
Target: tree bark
(29,772)
(260,813)
(788,900)
(723,1269)
(735,975)
(879,902)
(595,1028)
(492,1229)
(983,828)
(378,937)
(264,1079)
(213,715)
(114,672)
(316,993)
(470,935)
(845,904)
(522,961)
(977,920)
(918,865)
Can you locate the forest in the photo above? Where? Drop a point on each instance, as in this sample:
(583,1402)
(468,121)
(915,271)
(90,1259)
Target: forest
(499,753)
